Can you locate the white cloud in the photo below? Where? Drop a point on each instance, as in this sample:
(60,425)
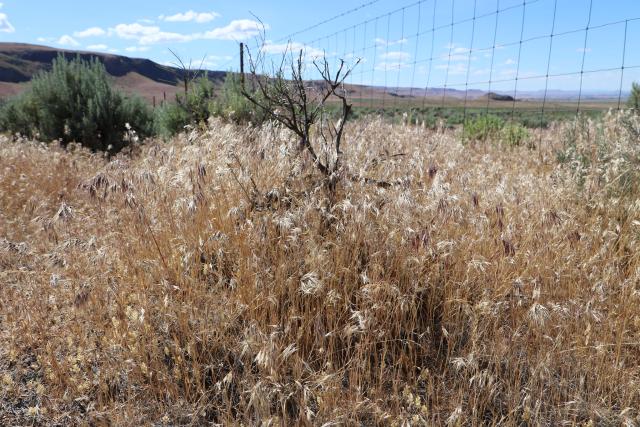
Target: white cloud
(583,50)
(455,53)
(200,18)
(482,72)
(152,34)
(509,62)
(98,47)
(236,30)
(292,47)
(5,25)
(460,51)
(459,58)
(146,34)
(508,72)
(394,61)
(353,58)
(385,43)
(215,61)
(133,31)
(390,66)
(454,48)
(1,4)
(219,58)
(90,32)
(453,69)
(397,56)
(67,41)
(161,37)
(137,48)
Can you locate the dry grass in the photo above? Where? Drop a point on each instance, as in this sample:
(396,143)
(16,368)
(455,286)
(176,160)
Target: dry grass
(488,286)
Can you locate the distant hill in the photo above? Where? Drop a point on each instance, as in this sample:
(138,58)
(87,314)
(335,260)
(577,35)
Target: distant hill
(497,97)
(19,63)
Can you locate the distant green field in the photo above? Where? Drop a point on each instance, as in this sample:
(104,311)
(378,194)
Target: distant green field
(454,111)
(457,115)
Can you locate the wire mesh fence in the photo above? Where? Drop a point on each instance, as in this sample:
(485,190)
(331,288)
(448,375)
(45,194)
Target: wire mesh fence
(533,60)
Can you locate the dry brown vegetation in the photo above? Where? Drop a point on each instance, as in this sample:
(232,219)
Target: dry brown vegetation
(216,280)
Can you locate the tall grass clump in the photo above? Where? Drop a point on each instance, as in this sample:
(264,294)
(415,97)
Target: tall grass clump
(604,155)
(214,280)
(74,102)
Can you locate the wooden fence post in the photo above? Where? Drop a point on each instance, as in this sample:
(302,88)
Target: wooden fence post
(242,65)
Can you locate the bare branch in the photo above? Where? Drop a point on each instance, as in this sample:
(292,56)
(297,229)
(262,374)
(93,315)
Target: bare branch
(285,96)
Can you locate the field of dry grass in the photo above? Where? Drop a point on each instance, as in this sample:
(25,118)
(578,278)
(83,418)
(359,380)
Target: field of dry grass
(214,279)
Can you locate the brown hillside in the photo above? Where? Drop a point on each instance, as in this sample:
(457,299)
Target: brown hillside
(19,63)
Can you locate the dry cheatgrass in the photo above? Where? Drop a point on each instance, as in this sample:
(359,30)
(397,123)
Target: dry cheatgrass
(216,280)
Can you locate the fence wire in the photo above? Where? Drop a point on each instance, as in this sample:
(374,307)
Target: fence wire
(509,57)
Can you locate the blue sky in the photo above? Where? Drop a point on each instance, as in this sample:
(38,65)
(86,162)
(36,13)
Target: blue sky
(394,39)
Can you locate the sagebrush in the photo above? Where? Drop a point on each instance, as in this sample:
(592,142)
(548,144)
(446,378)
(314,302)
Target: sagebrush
(74,102)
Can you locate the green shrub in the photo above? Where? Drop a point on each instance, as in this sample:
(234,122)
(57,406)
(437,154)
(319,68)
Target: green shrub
(171,119)
(192,108)
(74,102)
(201,102)
(514,135)
(232,105)
(634,98)
(198,101)
(17,115)
(483,128)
